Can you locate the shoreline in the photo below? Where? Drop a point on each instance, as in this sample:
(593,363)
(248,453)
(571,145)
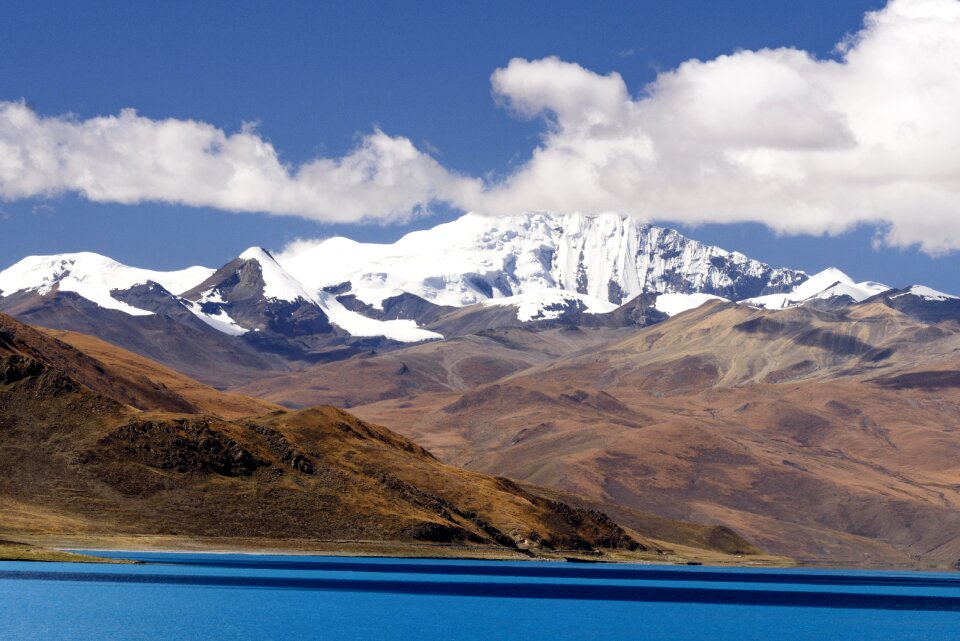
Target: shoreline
(84,549)
(84,544)
(26,552)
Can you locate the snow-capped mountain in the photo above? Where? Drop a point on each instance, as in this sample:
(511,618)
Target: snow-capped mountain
(254,293)
(924,303)
(606,259)
(93,277)
(925,293)
(829,284)
(464,276)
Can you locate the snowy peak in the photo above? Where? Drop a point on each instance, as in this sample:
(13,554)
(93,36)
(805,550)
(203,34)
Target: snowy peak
(828,284)
(258,254)
(821,281)
(93,277)
(253,275)
(926,293)
(474,258)
(277,283)
(255,293)
(924,303)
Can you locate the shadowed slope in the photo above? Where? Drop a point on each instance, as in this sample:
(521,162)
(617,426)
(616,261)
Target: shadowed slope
(171,335)
(132,369)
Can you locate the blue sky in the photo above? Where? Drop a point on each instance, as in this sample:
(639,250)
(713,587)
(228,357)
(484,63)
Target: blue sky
(316,79)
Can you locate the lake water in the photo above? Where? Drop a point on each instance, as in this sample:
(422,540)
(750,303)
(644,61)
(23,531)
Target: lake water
(229,596)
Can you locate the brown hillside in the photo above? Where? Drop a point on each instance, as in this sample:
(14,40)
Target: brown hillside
(132,370)
(456,364)
(833,437)
(74,460)
(120,375)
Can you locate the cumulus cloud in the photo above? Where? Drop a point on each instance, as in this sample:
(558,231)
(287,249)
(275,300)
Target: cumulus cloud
(776,136)
(130,159)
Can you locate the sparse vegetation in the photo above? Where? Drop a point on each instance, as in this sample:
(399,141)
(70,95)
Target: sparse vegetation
(14,551)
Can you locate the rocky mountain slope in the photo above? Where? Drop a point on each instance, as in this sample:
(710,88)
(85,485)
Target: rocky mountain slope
(828,435)
(88,447)
(124,373)
(456,364)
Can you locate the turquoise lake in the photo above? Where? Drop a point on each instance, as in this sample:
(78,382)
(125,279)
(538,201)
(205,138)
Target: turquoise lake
(230,596)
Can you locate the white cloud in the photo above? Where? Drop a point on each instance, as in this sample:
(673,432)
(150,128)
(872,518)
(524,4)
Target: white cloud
(129,159)
(295,247)
(776,136)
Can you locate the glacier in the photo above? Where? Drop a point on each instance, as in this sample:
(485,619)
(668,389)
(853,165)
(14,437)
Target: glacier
(472,259)
(542,265)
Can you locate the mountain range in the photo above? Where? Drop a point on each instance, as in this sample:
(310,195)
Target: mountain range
(332,299)
(641,371)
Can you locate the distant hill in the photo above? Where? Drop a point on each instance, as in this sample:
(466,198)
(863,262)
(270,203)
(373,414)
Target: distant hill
(830,435)
(108,443)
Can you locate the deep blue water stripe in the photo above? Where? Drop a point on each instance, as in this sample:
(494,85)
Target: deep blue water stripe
(580,592)
(572,571)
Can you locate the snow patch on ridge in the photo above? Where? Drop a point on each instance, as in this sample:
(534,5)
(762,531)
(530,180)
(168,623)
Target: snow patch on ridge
(404,331)
(220,321)
(926,293)
(829,283)
(93,277)
(549,304)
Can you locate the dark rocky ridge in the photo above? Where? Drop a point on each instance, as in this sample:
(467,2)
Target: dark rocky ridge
(240,286)
(928,311)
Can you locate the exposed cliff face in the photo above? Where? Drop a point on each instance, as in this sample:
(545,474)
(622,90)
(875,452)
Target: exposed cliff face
(246,295)
(617,258)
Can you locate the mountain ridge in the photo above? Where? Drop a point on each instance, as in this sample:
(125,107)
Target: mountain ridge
(339,298)
(597,259)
